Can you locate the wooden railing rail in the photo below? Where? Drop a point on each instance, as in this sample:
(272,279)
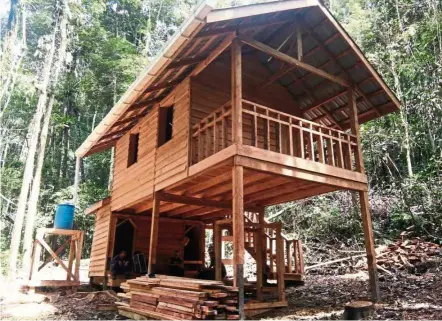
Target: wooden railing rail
(286,134)
(211,134)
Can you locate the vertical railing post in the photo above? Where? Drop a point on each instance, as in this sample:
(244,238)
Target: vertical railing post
(255,127)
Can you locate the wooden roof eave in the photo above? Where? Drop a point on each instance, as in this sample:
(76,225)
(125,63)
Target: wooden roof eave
(360,55)
(175,44)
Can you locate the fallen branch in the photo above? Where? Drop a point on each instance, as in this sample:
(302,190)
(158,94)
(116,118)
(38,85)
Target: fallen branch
(341,260)
(333,261)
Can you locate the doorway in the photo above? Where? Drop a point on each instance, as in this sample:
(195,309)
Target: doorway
(124,237)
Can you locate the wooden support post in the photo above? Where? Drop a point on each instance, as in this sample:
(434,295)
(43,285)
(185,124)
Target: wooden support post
(79,249)
(260,255)
(217,244)
(280,262)
(72,251)
(363,198)
(236,92)
(238,233)
(369,246)
(354,125)
(154,234)
(289,257)
(36,251)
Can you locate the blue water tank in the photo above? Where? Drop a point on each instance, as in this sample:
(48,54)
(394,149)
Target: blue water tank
(64,216)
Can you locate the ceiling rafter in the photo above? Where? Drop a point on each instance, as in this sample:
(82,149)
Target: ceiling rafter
(315,36)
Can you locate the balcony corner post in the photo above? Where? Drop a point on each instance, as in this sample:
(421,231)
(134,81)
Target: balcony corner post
(364,201)
(236,91)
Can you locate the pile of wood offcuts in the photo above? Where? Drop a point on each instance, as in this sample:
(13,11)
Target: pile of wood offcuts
(411,254)
(171,298)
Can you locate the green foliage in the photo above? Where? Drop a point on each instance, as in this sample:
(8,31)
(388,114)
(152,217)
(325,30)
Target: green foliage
(403,40)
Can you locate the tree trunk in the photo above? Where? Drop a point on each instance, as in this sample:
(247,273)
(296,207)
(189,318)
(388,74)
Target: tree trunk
(35,192)
(29,165)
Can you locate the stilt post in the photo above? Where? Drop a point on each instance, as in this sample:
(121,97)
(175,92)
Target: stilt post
(217,243)
(280,262)
(369,246)
(364,202)
(238,234)
(154,234)
(260,255)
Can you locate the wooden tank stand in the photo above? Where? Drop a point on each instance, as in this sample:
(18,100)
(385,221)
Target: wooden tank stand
(75,239)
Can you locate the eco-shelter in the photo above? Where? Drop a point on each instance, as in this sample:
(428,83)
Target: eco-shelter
(245,107)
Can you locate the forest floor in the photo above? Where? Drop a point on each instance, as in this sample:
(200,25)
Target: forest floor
(404,296)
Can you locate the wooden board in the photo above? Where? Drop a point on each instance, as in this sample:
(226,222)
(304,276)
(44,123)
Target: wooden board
(100,242)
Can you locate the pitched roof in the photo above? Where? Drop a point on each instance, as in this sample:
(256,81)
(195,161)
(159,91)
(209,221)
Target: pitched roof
(326,45)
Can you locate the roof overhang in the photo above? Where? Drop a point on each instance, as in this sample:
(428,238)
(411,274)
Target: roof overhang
(204,32)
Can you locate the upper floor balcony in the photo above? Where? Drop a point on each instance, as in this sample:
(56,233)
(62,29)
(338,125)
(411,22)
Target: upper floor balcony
(267,131)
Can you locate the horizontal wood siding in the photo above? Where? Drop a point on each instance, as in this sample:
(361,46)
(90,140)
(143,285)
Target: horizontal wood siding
(217,83)
(171,159)
(134,183)
(170,239)
(100,242)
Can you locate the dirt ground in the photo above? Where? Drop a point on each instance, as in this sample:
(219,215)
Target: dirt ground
(406,296)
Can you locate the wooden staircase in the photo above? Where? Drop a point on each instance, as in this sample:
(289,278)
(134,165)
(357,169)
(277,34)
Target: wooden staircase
(292,257)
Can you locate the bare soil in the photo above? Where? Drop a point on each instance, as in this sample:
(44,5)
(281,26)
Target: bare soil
(404,296)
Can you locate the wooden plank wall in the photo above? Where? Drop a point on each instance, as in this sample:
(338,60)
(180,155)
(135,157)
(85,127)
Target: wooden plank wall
(170,237)
(216,77)
(211,89)
(133,183)
(172,158)
(100,242)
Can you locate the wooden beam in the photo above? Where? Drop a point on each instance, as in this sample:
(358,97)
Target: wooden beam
(213,55)
(229,29)
(290,60)
(358,52)
(163,85)
(154,234)
(315,36)
(319,103)
(131,118)
(143,103)
(238,234)
(236,92)
(181,199)
(186,62)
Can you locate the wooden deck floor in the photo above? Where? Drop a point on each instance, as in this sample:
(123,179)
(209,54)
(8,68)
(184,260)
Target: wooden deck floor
(269,178)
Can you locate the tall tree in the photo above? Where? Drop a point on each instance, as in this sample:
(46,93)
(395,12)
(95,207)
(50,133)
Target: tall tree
(33,142)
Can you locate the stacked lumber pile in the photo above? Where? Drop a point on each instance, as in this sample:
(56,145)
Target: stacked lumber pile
(171,298)
(408,254)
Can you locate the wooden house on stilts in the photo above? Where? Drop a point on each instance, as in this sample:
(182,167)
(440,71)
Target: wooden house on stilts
(245,107)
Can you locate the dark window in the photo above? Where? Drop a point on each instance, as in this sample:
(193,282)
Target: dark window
(165,125)
(133,149)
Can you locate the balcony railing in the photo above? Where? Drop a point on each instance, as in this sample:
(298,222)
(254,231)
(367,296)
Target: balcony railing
(275,131)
